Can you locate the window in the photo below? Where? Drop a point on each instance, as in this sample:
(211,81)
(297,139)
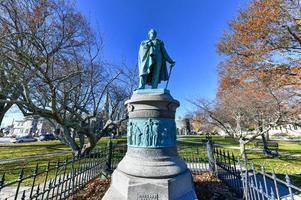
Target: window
(294,127)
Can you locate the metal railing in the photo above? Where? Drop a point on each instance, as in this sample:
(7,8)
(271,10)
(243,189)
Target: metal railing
(258,184)
(228,171)
(63,178)
(247,182)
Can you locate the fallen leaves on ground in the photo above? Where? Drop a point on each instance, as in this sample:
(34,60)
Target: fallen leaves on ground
(94,190)
(207,186)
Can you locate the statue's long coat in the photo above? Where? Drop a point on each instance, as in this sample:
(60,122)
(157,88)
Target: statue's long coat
(153,56)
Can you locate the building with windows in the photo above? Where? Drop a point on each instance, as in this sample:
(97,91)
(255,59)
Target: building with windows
(31,125)
(183,126)
(283,130)
(288,129)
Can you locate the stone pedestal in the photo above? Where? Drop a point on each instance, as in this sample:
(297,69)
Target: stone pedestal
(151,168)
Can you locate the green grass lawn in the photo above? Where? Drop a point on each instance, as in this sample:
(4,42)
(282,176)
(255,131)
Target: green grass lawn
(33,148)
(12,170)
(284,146)
(216,139)
(281,164)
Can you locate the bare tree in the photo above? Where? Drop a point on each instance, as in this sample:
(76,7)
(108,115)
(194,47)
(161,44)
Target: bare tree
(62,75)
(243,113)
(12,73)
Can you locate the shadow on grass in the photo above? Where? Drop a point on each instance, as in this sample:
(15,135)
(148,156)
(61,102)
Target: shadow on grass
(58,147)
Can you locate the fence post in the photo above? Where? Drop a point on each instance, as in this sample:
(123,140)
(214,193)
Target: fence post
(109,155)
(20,179)
(246,179)
(210,154)
(2,180)
(243,183)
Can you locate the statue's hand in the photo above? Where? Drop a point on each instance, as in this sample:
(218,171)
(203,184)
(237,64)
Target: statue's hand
(173,62)
(150,43)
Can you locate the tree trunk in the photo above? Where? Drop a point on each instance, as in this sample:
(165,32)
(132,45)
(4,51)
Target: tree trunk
(70,140)
(92,141)
(238,126)
(3,109)
(118,132)
(266,150)
(88,147)
(242,149)
(267,135)
(81,140)
(1,117)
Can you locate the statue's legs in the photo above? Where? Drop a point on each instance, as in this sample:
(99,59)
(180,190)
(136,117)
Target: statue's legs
(156,74)
(142,81)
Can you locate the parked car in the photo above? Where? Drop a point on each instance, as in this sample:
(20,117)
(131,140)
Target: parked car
(27,138)
(47,137)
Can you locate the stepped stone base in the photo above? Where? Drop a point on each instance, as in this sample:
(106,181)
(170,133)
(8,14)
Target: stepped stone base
(151,168)
(126,187)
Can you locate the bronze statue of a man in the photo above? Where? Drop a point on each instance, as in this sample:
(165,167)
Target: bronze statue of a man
(152,61)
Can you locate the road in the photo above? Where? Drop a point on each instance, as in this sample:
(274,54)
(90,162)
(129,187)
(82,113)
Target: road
(5,140)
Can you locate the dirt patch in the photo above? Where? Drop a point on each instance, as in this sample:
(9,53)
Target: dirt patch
(207,186)
(94,190)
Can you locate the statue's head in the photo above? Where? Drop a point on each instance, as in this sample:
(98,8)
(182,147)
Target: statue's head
(152,34)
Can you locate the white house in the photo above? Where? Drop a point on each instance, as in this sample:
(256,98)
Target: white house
(288,129)
(31,125)
(183,126)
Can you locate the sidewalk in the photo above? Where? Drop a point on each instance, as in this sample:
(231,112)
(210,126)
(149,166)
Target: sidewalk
(10,160)
(285,139)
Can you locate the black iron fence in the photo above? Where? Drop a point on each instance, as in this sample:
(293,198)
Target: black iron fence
(228,171)
(61,179)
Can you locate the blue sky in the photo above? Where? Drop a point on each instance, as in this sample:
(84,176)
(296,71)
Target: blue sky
(189,28)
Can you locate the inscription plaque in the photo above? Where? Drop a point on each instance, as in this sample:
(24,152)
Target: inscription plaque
(147,197)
